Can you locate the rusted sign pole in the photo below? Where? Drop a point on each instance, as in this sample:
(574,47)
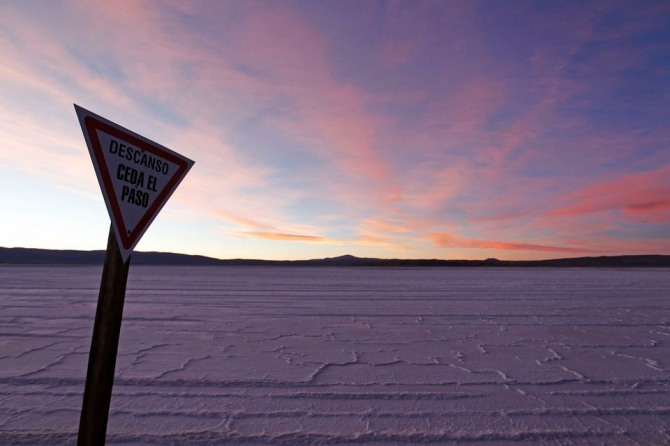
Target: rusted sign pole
(104,346)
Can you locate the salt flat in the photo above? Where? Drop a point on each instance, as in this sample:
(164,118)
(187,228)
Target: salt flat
(213,355)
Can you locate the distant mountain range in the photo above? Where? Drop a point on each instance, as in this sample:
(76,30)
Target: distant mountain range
(29,256)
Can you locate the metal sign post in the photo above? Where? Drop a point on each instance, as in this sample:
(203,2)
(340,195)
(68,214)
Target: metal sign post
(104,346)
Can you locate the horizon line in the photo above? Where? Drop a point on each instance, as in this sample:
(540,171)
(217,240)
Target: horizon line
(339,256)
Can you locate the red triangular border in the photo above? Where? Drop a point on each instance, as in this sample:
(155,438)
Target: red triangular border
(91,124)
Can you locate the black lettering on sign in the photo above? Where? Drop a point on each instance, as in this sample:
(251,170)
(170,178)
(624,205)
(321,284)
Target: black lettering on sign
(130,175)
(151,183)
(134,196)
(138,157)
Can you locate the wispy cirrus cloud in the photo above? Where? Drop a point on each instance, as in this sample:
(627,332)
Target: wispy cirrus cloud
(450,241)
(285,237)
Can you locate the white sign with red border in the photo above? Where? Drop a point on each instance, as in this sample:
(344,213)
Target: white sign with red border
(137,176)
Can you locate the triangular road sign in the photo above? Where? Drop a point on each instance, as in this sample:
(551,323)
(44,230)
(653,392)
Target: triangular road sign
(136,175)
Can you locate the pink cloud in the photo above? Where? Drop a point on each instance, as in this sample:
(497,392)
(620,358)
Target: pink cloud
(644,196)
(325,115)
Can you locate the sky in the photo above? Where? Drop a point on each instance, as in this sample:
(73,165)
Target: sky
(394,129)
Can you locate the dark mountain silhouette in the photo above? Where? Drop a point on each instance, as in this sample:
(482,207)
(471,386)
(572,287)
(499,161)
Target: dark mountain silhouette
(30,256)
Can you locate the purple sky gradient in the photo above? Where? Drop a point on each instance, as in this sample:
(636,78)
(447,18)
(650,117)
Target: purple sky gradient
(447,129)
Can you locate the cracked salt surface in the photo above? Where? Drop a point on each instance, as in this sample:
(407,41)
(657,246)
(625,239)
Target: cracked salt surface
(214,356)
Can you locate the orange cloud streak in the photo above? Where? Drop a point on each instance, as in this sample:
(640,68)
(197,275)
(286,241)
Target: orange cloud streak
(444,240)
(285,237)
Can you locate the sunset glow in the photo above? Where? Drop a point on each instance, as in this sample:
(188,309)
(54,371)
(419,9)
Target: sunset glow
(401,129)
